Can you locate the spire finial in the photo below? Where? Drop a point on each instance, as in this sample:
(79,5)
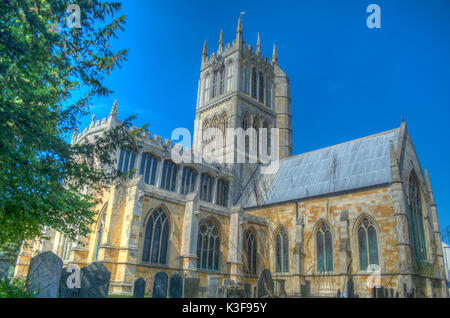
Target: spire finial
(113,112)
(258,45)
(274,54)
(403,119)
(205,50)
(239,27)
(221,40)
(93,117)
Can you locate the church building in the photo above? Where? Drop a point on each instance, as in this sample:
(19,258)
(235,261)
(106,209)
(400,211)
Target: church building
(361,211)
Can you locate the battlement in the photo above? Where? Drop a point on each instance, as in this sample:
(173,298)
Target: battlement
(238,44)
(163,146)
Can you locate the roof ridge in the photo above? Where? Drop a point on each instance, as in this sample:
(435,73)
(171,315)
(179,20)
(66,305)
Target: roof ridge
(342,143)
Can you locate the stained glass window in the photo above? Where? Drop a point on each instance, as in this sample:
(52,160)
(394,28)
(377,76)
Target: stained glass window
(254,83)
(324,247)
(126,161)
(268,93)
(416,219)
(208,245)
(368,246)
(149,163)
(206,187)
(100,230)
(250,252)
(222,193)
(156,238)
(189,177)
(281,252)
(261,87)
(169,175)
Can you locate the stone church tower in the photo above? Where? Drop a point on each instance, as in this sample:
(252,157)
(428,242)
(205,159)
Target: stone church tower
(240,88)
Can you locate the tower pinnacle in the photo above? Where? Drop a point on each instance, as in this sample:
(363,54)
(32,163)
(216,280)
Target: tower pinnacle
(239,27)
(205,50)
(221,41)
(113,112)
(274,55)
(239,37)
(258,45)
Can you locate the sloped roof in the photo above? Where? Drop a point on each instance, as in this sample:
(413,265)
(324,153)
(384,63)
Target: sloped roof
(355,164)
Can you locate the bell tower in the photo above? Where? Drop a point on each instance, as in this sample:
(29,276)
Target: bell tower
(240,88)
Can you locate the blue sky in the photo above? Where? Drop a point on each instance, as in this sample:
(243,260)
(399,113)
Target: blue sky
(347,81)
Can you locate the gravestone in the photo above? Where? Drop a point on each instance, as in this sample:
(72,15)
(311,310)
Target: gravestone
(235,292)
(70,273)
(213,287)
(191,287)
(379,295)
(160,285)
(350,289)
(176,286)
(302,291)
(308,288)
(265,285)
(248,290)
(280,291)
(149,286)
(139,288)
(44,275)
(227,282)
(95,280)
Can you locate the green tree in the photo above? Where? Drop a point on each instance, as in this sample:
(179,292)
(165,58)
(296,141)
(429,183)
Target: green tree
(43,62)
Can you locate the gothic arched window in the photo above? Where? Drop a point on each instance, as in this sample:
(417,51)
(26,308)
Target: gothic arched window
(261,87)
(215,127)
(218,82)
(223,128)
(206,187)
(254,84)
(245,122)
(250,255)
(66,249)
(156,238)
(229,76)
(100,230)
(266,139)
(268,93)
(126,161)
(324,246)
(206,87)
(222,193)
(247,79)
(149,163)
(188,181)
(416,219)
(368,245)
(205,136)
(282,252)
(169,175)
(208,245)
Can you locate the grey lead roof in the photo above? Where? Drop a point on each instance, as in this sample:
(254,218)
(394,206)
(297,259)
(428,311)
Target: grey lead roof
(355,164)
